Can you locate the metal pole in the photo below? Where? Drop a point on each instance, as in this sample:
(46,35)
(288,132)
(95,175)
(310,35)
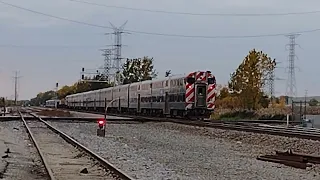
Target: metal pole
(4,106)
(300,111)
(107,105)
(292,110)
(305,105)
(15,88)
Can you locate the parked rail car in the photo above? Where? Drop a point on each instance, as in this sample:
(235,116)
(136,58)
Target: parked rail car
(53,103)
(191,95)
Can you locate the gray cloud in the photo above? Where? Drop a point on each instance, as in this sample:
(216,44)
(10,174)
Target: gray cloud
(42,67)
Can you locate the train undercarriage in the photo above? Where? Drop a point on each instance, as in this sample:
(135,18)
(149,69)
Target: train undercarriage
(199,113)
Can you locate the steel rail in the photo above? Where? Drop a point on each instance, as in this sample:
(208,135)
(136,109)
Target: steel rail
(75,143)
(161,119)
(243,126)
(45,163)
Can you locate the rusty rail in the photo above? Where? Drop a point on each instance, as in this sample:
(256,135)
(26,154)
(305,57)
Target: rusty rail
(289,158)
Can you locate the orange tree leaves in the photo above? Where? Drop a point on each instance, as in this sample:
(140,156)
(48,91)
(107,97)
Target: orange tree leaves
(247,81)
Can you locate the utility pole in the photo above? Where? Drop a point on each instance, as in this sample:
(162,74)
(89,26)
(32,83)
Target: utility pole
(56,90)
(16,77)
(305,104)
(291,89)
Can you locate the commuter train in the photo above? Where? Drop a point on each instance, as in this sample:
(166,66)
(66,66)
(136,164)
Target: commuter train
(53,103)
(184,96)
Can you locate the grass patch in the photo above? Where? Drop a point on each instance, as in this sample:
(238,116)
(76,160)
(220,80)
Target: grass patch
(262,114)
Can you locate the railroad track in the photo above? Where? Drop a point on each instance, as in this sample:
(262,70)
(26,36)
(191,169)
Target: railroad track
(65,158)
(248,126)
(162,119)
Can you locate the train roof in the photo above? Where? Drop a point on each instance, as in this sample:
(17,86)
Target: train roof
(182,76)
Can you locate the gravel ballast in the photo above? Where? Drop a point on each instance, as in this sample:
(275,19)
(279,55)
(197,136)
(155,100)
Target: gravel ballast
(173,151)
(23,161)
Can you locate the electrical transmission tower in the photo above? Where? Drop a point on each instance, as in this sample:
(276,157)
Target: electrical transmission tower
(270,83)
(112,60)
(291,88)
(117,59)
(107,67)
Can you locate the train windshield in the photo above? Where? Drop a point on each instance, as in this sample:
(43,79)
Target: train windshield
(211,80)
(191,80)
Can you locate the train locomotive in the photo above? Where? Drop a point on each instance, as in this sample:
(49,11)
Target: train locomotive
(184,96)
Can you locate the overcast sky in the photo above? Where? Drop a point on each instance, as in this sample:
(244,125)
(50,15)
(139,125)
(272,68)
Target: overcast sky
(46,50)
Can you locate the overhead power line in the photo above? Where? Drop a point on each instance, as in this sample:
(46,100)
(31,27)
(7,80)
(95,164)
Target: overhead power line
(197,14)
(162,34)
(44,46)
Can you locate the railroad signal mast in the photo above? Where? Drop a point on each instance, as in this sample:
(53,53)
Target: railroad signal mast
(83,72)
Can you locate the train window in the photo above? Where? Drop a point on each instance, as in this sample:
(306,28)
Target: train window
(201,90)
(211,80)
(176,98)
(171,98)
(167,83)
(191,80)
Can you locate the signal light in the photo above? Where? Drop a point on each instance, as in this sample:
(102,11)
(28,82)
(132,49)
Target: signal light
(101,123)
(101,130)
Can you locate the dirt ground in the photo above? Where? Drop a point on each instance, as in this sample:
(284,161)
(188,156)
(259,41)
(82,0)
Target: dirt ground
(54,113)
(19,158)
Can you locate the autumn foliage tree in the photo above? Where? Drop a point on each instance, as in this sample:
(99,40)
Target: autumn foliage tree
(247,81)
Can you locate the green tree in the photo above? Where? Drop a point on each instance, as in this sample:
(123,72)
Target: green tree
(42,98)
(82,86)
(313,102)
(249,78)
(136,70)
(99,85)
(147,69)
